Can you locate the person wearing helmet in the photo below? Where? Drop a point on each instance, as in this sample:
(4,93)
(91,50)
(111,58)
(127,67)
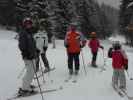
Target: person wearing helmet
(119,64)
(73,44)
(27,47)
(41,39)
(94,45)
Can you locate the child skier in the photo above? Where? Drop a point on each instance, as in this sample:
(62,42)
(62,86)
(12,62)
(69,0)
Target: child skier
(73,44)
(94,44)
(41,39)
(119,64)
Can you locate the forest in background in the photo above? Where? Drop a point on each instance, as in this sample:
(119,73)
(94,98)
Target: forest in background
(88,15)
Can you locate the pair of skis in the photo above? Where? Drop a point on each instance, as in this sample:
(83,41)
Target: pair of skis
(16,96)
(127,95)
(123,93)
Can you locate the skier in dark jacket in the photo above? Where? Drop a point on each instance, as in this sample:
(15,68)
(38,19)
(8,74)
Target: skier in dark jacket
(27,47)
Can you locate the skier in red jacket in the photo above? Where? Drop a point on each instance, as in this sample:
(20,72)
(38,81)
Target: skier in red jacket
(119,64)
(73,43)
(94,45)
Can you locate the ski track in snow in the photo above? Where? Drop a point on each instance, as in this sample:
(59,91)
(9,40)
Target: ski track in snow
(95,85)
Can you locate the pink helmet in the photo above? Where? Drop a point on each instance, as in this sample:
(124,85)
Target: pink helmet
(27,22)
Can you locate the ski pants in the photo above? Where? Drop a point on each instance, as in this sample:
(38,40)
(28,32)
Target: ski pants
(73,57)
(118,78)
(29,75)
(44,59)
(94,57)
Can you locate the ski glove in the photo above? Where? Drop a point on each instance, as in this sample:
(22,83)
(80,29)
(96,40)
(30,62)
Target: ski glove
(110,52)
(45,48)
(38,51)
(126,67)
(81,46)
(101,47)
(30,57)
(66,45)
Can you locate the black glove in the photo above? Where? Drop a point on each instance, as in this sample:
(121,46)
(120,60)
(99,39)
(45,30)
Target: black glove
(66,46)
(101,47)
(126,67)
(45,48)
(81,46)
(110,52)
(38,51)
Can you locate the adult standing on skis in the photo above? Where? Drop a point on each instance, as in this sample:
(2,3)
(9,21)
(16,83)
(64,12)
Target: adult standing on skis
(94,45)
(27,47)
(73,44)
(119,64)
(41,39)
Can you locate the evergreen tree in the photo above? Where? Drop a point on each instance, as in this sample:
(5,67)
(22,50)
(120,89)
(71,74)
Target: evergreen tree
(59,14)
(6,12)
(125,22)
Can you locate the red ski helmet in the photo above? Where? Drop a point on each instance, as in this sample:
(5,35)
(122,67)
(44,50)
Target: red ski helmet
(72,27)
(27,22)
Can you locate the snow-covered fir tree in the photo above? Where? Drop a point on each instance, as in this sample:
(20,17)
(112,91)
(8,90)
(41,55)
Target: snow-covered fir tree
(126,22)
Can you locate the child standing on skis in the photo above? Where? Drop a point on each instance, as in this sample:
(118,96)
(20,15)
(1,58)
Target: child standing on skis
(94,45)
(41,39)
(119,64)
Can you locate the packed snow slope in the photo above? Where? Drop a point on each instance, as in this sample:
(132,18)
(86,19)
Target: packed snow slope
(96,85)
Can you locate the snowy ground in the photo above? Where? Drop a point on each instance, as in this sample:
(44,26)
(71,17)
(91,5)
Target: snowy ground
(95,85)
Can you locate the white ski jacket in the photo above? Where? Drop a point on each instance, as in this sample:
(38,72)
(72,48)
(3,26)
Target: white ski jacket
(41,39)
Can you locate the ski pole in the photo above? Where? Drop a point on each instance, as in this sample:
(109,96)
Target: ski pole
(34,68)
(41,70)
(129,75)
(104,63)
(20,74)
(83,62)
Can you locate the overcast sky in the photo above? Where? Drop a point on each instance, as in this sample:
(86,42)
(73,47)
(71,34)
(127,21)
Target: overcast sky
(114,3)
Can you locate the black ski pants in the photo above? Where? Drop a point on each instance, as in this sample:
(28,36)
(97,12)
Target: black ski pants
(44,59)
(94,56)
(73,57)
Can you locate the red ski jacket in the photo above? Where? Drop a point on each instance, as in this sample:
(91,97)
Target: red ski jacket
(72,40)
(94,44)
(119,59)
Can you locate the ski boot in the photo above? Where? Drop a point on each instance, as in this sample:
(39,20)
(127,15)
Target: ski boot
(22,92)
(70,72)
(93,64)
(76,72)
(33,86)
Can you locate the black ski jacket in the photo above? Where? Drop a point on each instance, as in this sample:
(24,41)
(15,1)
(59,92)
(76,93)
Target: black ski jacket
(27,45)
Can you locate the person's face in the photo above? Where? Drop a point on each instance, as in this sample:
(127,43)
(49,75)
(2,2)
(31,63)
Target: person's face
(28,25)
